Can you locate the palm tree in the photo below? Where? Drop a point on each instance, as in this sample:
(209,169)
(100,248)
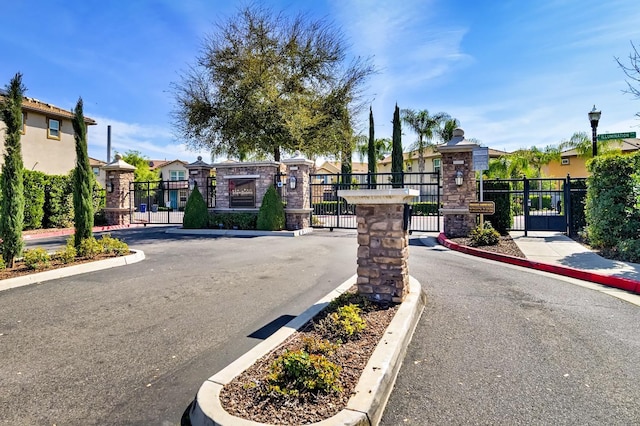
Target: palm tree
(426,127)
(445,132)
(582,143)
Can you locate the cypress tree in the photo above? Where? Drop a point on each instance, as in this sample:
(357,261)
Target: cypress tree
(396,153)
(196,214)
(11,182)
(82,180)
(371,153)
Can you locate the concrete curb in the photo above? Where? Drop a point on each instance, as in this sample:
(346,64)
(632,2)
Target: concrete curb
(137,256)
(61,232)
(608,280)
(373,389)
(239,233)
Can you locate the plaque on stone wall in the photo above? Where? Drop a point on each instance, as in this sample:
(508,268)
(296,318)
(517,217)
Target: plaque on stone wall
(242,193)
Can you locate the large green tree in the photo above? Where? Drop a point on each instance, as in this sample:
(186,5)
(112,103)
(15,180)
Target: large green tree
(426,126)
(143,172)
(11,181)
(397,159)
(82,180)
(583,144)
(267,84)
(445,132)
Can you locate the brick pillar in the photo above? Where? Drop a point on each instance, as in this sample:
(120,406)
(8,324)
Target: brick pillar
(199,172)
(119,176)
(298,210)
(457,157)
(383,243)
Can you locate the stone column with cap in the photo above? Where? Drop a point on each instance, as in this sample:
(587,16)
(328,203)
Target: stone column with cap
(119,176)
(298,210)
(383,241)
(199,173)
(457,161)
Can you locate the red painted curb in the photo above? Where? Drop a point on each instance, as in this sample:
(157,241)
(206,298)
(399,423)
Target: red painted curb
(62,232)
(608,280)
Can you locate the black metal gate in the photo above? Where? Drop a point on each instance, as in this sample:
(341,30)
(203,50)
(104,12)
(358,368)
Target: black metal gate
(331,211)
(539,204)
(163,202)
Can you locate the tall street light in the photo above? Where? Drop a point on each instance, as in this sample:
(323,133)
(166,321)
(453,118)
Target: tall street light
(594,117)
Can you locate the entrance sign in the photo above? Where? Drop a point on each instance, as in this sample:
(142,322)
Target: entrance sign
(242,193)
(610,136)
(482,207)
(480,159)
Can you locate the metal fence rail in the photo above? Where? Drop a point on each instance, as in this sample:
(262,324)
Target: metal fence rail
(331,211)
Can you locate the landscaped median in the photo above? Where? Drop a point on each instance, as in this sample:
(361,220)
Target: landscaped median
(136,256)
(608,280)
(366,405)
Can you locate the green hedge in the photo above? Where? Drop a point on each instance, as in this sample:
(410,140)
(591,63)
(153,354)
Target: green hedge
(424,209)
(613,200)
(502,218)
(546,202)
(246,221)
(34,195)
(578,199)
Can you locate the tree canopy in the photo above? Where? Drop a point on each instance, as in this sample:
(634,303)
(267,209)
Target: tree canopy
(632,71)
(427,127)
(266,84)
(143,172)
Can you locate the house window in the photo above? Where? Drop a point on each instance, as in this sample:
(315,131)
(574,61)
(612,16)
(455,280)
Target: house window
(177,175)
(565,161)
(436,165)
(96,171)
(53,128)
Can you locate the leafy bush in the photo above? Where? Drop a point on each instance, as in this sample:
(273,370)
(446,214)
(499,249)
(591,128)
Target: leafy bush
(485,236)
(2,264)
(112,245)
(503,215)
(344,323)
(67,254)
(34,190)
(36,258)
(578,198)
(318,346)
(244,221)
(90,248)
(58,202)
(298,372)
(271,215)
(196,214)
(546,202)
(425,209)
(629,250)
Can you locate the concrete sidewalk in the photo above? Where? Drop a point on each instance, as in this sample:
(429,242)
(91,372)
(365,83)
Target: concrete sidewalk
(555,248)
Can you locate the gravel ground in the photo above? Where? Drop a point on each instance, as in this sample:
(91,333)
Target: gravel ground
(505,246)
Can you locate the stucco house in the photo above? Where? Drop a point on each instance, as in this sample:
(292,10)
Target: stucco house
(432,160)
(47,138)
(175,194)
(572,164)
(98,172)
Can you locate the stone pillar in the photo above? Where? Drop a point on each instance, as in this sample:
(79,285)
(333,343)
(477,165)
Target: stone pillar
(263,173)
(199,173)
(298,210)
(457,160)
(383,242)
(119,176)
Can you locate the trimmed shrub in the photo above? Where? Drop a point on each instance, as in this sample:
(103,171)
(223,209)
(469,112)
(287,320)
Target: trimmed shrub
(58,204)
(244,221)
(90,248)
(486,236)
(2,264)
(271,215)
(344,324)
(298,372)
(112,245)
(629,250)
(36,258)
(578,199)
(34,185)
(196,214)
(67,254)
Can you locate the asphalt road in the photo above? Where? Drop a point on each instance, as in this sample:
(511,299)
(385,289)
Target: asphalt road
(499,345)
(131,345)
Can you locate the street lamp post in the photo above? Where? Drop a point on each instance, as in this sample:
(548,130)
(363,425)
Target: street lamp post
(594,117)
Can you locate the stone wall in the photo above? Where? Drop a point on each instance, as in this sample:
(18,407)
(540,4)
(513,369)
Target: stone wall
(117,210)
(383,252)
(298,210)
(456,198)
(262,172)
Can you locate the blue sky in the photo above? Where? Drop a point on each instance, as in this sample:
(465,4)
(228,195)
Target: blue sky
(514,73)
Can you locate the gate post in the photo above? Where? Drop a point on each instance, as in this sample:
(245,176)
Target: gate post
(298,193)
(118,181)
(527,204)
(383,250)
(199,172)
(458,185)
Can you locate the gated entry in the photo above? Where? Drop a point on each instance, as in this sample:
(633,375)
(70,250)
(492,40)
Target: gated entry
(331,211)
(164,201)
(540,204)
